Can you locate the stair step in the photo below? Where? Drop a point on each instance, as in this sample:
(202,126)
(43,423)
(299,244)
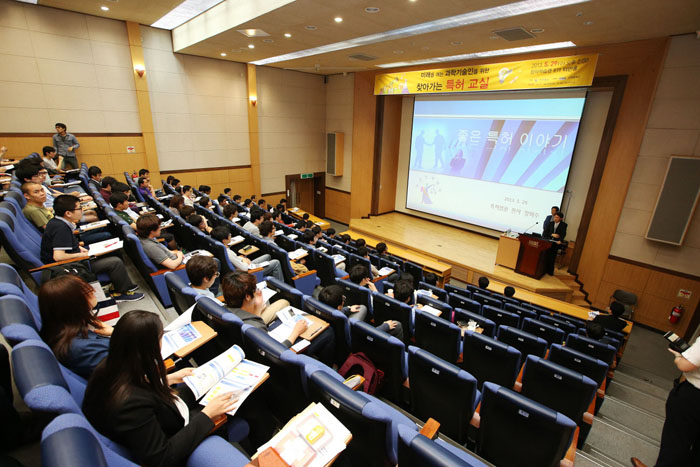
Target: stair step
(644,375)
(632,396)
(581,302)
(620,443)
(590,456)
(641,384)
(634,418)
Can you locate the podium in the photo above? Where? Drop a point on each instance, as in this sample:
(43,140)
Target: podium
(532,259)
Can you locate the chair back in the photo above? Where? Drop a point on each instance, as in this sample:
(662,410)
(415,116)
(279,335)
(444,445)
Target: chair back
(548,332)
(181,294)
(337,321)
(484,299)
(441,294)
(356,294)
(520,311)
(579,362)
(591,347)
(464,302)
(490,360)
(462,318)
(453,289)
(416,450)
(500,317)
(555,321)
(16,321)
(526,343)
(416,270)
(386,308)
(438,336)
(443,307)
(229,327)
(285,291)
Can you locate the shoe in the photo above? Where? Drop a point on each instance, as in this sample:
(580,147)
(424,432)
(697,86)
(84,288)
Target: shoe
(127,297)
(133,288)
(637,463)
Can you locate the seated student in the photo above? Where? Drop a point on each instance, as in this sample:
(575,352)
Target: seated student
(309,225)
(612,321)
(31,170)
(200,222)
(230,212)
(106,190)
(333,297)
(34,210)
(206,203)
(360,242)
(188,194)
(227,191)
(430,278)
(330,233)
(145,188)
(203,272)
(252,226)
(403,290)
(364,253)
(223,200)
(237,198)
(509,291)
(247,204)
(176,204)
(381,249)
(48,160)
(205,190)
(308,238)
(148,229)
(484,283)
(95,174)
(267,216)
(267,231)
(129,398)
(318,232)
(186,211)
(68,325)
(120,203)
(246,302)
(223,234)
(59,244)
(144,173)
(176,184)
(595,331)
(169,179)
(300,226)
(280,207)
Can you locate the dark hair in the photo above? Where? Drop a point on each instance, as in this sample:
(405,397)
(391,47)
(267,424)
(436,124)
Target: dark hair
(220,233)
(169,179)
(141,181)
(261,201)
(252,197)
(309,224)
(117,198)
(195,220)
(108,182)
(133,361)
(330,232)
(266,216)
(204,201)
(280,207)
(556,207)
(255,216)
(186,188)
(200,267)
(316,229)
(430,278)
(403,291)
(119,187)
(407,276)
(176,202)
(307,237)
(300,225)
(237,197)
(227,191)
(143,172)
(266,227)
(509,291)
(483,282)
(146,224)
(27,168)
(236,286)
(381,248)
(175,181)
(360,242)
(65,312)
(305,216)
(358,273)
(230,210)
(346,238)
(362,251)
(61,125)
(25,187)
(48,149)
(94,170)
(332,296)
(617,309)
(283,201)
(205,189)
(276,213)
(560,214)
(223,200)
(64,203)
(247,202)
(595,330)
(186,211)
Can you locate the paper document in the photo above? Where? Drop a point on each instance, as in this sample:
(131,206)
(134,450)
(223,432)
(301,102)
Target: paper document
(105,246)
(319,223)
(385,271)
(77,182)
(338,258)
(180,321)
(258,265)
(177,339)
(94,225)
(279,232)
(298,253)
(241,381)
(293,209)
(236,240)
(159,216)
(267,292)
(195,253)
(236,219)
(292,236)
(167,223)
(9,167)
(322,249)
(431,310)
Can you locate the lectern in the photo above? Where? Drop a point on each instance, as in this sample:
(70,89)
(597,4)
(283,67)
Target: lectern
(532,259)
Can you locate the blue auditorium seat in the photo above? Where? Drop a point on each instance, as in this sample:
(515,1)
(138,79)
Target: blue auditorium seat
(415,450)
(386,308)
(182,295)
(437,336)
(526,343)
(463,302)
(462,318)
(548,332)
(16,321)
(490,360)
(500,317)
(599,350)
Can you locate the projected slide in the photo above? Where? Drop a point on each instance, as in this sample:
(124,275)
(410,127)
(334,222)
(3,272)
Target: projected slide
(501,164)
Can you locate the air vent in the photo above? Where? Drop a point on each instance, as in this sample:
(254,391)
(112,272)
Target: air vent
(363,57)
(253,32)
(514,34)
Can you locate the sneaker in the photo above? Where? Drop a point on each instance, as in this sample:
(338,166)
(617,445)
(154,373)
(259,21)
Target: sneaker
(127,296)
(133,288)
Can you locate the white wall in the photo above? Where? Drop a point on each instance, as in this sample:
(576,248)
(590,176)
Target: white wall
(60,66)
(291,124)
(199,106)
(673,129)
(339,105)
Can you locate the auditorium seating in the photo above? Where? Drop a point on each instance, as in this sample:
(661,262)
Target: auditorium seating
(415,270)
(490,360)
(525,342)
(521,312)
(416,450)
(294,296)
(443,307)
(355,295)
(441,294)
(438,336)
(604,352)
(462,301)
(16,322)
(305,283)
(338,322)
(500,317)
(182,295)
(388,308)
(552,334)
(462,318)
(486,299)
(228,326)
(565,326)
(12,284)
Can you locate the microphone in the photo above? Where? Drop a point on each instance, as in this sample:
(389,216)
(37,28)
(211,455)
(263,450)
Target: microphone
(525,231)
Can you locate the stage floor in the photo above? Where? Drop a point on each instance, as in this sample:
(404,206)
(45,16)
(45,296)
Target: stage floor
(471,255)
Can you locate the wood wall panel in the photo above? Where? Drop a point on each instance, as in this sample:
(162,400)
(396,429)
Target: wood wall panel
(363,128)
(391,135)
(338,206)
(239,180)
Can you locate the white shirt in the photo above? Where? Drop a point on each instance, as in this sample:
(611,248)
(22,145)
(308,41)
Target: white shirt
(693,356)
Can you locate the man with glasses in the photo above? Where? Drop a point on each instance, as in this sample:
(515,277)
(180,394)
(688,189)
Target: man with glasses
(203,271)
(59,244)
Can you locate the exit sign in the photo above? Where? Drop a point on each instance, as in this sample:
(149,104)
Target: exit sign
(303,176)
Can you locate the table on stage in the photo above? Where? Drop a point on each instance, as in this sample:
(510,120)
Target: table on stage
(298,213)
(508,249)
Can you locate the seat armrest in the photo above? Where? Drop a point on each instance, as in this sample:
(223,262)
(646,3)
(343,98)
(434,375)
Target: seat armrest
(431,429)
(476,418)
(58,263)
(163,271)
(305,274)
(568,460)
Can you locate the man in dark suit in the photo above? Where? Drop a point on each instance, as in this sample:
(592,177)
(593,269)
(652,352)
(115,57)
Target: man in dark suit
(614,320)
(555,231)
(548,219)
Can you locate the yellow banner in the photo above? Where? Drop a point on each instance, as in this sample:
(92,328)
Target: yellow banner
(557,72)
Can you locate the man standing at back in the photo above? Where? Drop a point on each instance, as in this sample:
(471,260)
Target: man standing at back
(66,144)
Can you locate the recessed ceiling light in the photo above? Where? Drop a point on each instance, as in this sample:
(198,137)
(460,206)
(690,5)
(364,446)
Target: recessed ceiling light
(287,35)
(522,7)
(489,53)
(398,52)
(223,54)
(268,41)
(184,12)
(494,37)
(338,19)
(587,23)
(251,46)
(371,9)
(537,30)
(252,32)
(310,28)
(104,8)
(33,2)
(456,43)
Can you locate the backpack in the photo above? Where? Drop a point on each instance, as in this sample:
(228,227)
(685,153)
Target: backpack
(359,364)
(77,268)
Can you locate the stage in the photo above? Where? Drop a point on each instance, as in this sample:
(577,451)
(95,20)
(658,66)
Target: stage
(469,254)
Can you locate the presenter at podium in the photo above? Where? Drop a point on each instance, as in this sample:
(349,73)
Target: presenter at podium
(554,231)
(548,219)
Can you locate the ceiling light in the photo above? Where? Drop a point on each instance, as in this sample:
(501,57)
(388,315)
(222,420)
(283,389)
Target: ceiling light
(251,46)
(310,28)
(371,9)
(223,54)
(489,14)
(537,30)
(287,35)
(104,8)
(33,2)
(184,12)
(338,19)
(252,32)
(489,53)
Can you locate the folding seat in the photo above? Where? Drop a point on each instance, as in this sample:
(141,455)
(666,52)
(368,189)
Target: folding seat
(326,269)
(486,300)
(521,312)
(441,294)
(446,310)
(355,294)
(389,263)
(579,323)
(463,302)
(286,243)
(337,321)
(386,308)
(437,336)
(386,352)
(305,283)
(416,450)
(13,208)
(599,350)
(490,360)
(285,291)
(227,326)
(507,300)
(182,295)
(558,387)
(565,326)
(453,289)
(516,431)
(526,343)
(373,423)
(552,334)
(415,270)
(16,321)
(12,284)
(537,309)
(219,250)
(443,391)
(500,317)
(462,317)
(354,259)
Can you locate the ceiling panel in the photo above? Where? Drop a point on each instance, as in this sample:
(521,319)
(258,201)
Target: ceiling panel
(139,11)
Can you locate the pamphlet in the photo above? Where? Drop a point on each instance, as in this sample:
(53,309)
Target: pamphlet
(431,310)
(385,271)
(195,253)
(338,258)
(236,240)
(267,292)
(105,246)
(298,253)
(94,225)
(177,339)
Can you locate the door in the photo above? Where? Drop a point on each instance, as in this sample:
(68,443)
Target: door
(303,194)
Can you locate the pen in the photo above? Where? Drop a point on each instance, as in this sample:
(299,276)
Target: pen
(314,333)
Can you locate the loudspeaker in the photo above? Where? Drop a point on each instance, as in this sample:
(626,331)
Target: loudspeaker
(334,153)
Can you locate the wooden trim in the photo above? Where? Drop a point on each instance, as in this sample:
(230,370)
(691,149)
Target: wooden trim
(305,274)
(273,194)
(654,268)
(58,263)
(168,172)
(49,135)
(335,189)
(163,271)
(253,135)
(377,157)
(617,84)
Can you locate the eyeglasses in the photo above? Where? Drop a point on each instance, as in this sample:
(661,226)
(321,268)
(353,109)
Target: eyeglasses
(217,274)
(77,209)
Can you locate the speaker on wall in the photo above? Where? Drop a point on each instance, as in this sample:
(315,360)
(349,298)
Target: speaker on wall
(334,153)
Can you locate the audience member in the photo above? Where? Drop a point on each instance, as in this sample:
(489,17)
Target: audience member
(148,229)
(120,203)
(231,212)
(430,278)
(205,202)
(34,210)
(612,321)
(48,155)
(95,174)
(145,188)
(200,222)
(252,225)
(364,253)
(203,271)
(186,211)
(262,204)
(188,194)
(330,233)
(381,249)
(241,263)
(176,204)
(509,291)
(106,190)
(484,282)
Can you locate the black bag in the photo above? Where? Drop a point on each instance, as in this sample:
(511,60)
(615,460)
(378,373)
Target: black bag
(78,268)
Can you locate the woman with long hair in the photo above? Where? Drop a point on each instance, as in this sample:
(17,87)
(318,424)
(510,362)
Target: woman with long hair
(176,203)
(129,397)
(77,337)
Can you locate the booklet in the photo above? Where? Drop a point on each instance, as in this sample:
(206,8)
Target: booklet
(292,236)
(195,253)
(177,339)
(94,225)
(59,185)
(338,258)
(385,271)
(258,265)
(267,292)
(314,438)
(298,253)
(279,232)
(236,240)
(105,246)
(431,310)
(289,317)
